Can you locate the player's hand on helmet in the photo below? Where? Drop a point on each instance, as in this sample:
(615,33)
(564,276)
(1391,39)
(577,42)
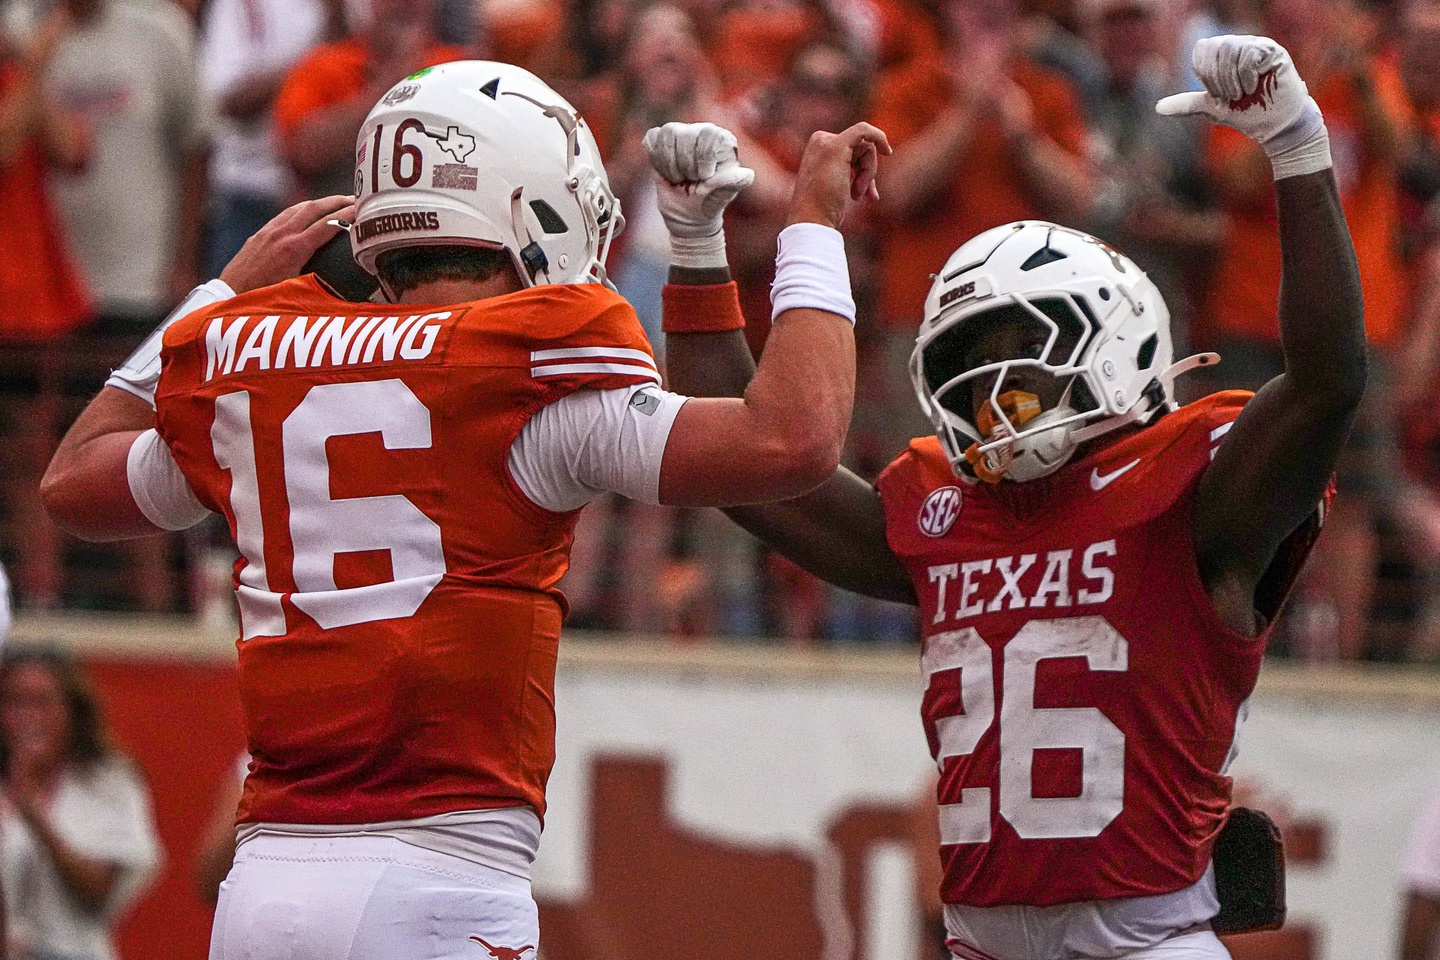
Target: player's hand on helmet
(282,247)
(837,171)
(698,173)
(1251,85)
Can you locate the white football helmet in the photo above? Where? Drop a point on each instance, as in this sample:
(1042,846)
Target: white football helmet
(485,154)
(1088,316)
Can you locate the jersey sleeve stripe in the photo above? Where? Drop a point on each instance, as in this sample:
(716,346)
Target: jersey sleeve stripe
(569,369)
(577,353)
(1217,434)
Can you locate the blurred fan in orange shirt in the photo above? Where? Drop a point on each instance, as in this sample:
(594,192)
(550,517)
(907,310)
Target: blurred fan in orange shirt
(756,40)
(1419,63)
(41,293)
(327,94)
(982,136)
(1368,115)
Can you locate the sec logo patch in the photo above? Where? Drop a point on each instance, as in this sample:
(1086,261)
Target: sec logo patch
(939,511)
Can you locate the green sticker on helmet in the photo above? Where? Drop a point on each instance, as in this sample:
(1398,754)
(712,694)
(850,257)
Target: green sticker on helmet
(419,73)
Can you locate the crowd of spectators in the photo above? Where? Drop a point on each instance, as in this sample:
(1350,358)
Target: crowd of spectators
(142,140)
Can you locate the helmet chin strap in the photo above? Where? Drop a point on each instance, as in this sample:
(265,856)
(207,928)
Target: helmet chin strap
(1140,413)
(1048,449)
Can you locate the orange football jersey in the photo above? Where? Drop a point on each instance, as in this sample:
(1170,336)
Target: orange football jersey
(397,591)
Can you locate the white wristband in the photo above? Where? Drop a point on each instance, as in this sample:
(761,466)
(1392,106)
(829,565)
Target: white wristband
(811,272)
(1301,148)
(141,370)
(698,253)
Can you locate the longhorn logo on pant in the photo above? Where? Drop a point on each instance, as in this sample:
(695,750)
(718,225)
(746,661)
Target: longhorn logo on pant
(502,953)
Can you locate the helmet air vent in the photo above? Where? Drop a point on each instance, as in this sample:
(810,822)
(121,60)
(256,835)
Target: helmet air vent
(1081,399)
(550,221)
(1146,356)
(1039,258)
(492,89)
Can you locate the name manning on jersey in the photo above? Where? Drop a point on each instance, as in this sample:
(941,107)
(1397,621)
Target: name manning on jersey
(996,583)
(316,342)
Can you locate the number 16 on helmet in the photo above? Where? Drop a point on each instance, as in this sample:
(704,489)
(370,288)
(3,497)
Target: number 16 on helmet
(484,154)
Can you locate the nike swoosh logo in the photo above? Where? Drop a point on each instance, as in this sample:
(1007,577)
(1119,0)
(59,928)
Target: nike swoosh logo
(1098,482)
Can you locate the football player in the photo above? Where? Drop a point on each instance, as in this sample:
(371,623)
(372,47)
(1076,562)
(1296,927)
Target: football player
(403,478)
(1096,569)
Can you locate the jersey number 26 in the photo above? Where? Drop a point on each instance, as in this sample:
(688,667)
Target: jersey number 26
(1025,728)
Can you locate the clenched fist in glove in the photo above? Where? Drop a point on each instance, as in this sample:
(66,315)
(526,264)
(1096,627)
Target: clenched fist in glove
(697,175)
(1251,85)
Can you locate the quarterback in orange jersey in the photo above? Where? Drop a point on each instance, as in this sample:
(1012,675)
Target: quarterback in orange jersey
(403,478)
(1096,569)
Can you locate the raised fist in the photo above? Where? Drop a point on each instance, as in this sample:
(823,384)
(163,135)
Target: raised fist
(836,171)
(697,175)
(1251,85)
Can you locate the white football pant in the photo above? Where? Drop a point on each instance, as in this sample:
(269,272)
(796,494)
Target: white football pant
(1202,945)
(368,898)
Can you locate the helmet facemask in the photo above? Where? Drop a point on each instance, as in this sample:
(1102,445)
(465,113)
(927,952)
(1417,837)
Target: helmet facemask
(599,207)
(1004,385)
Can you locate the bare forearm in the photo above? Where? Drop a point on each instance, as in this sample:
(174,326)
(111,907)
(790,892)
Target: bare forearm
(1276,462)
(327,137)
(88,881)
(785,437)
(918,170)
(1060,179)
(836,532)
(851,553)
(1322,312)
(86,489)
(715,364)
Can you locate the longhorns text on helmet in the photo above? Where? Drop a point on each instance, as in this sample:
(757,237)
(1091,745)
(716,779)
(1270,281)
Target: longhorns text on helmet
(486,154)
(1123,358)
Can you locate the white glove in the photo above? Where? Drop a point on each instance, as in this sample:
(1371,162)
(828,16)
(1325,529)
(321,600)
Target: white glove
(697,174)
(1251,85)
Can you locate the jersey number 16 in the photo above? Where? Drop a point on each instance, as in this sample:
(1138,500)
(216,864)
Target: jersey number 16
(320,526)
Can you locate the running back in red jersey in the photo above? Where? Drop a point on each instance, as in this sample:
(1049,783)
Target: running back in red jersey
(1083,697)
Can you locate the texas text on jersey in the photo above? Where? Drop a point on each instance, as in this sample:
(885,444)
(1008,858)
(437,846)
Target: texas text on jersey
(1083,697)
(400,616)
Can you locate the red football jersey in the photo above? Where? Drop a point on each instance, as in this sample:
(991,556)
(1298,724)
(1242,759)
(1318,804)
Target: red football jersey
(1082,693)
(399,610)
